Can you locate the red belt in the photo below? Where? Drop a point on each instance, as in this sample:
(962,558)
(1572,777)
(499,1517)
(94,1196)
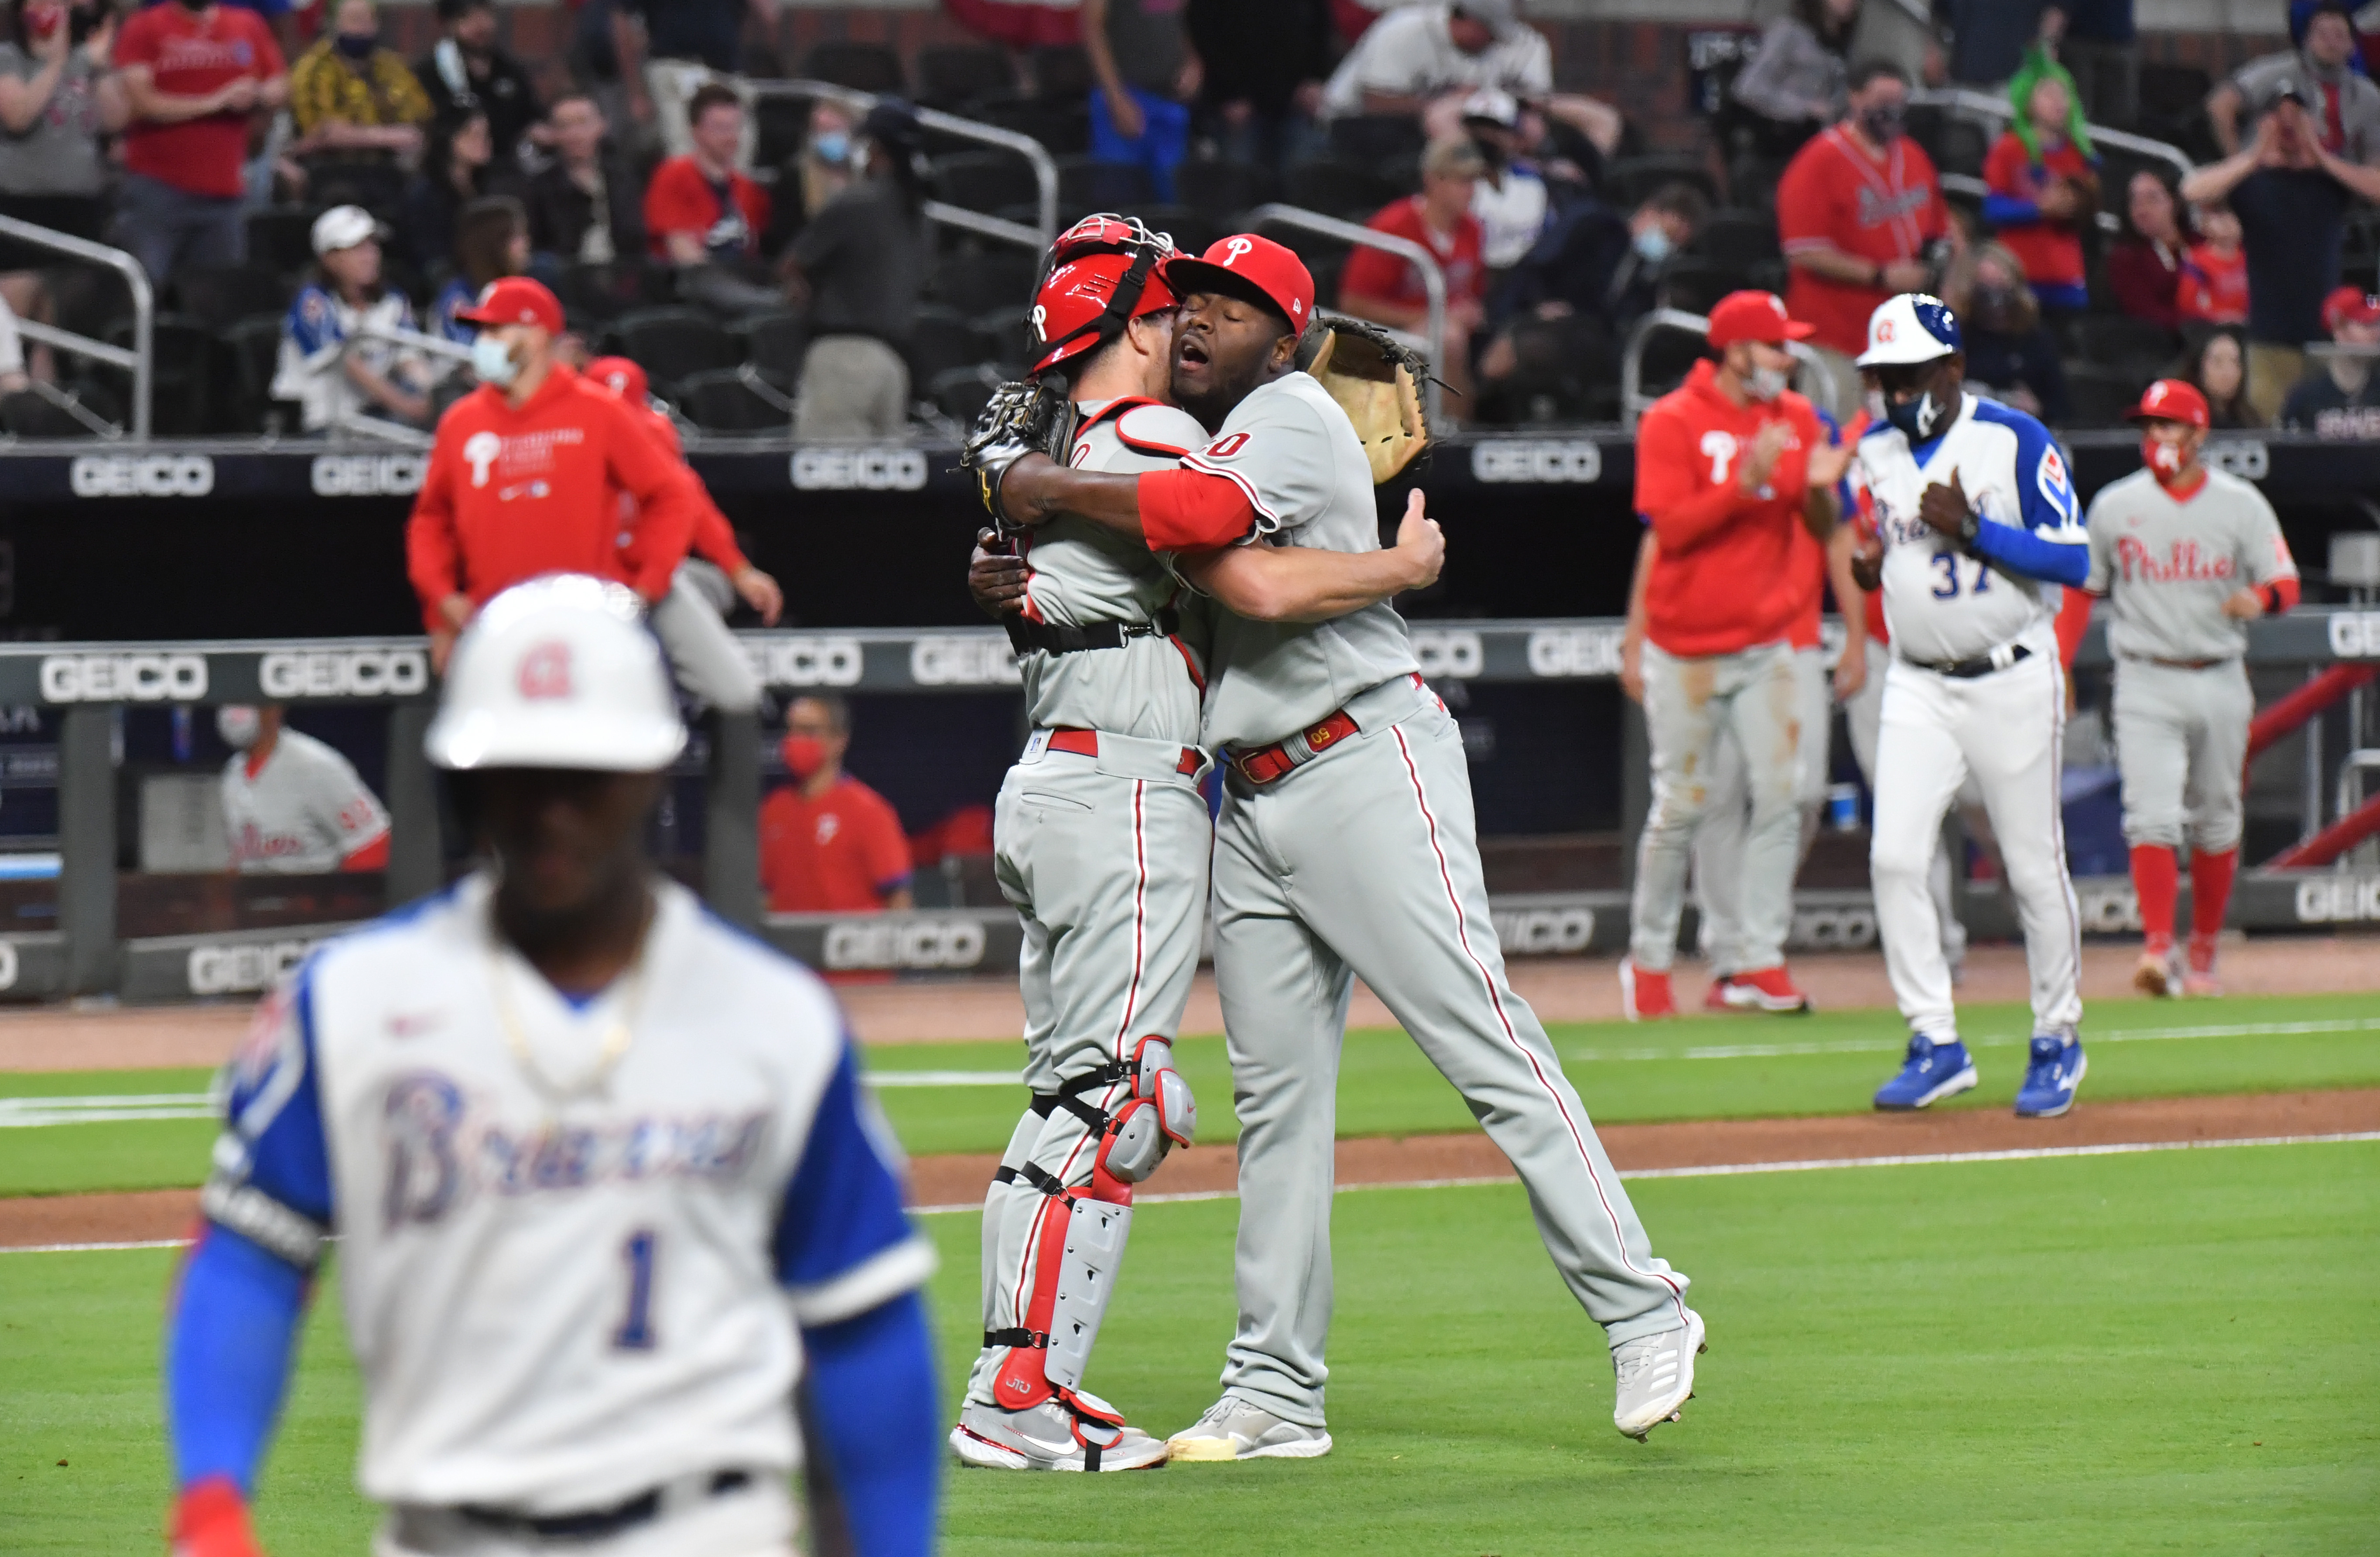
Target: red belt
(1269,762)
(1085,744)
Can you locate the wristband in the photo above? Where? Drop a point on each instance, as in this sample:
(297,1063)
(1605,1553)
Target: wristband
(2271,596)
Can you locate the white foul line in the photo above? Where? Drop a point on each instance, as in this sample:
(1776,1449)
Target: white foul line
(1721,1170)
(1894,1046)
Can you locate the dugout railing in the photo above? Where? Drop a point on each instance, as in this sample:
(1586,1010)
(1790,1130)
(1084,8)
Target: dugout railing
(87,684)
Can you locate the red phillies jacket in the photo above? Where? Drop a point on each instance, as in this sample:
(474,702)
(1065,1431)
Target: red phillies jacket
(511,494)
(714,539)
(1726,578)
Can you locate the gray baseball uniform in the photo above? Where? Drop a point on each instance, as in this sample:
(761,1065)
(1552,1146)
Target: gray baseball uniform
(2182,704)
(303,813)
(1726,822)
(1363,861)
(1104,855)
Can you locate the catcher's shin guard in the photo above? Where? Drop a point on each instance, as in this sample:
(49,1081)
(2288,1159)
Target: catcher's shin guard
(1079,1247)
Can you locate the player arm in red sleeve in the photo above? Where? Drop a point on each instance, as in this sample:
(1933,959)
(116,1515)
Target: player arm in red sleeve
(1301,584)
(433,553)
(668,497)
(886,849)
(2074,620)
(1684,512)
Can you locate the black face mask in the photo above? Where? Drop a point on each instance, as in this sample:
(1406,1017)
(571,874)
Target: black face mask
(1882,125)
(358,45)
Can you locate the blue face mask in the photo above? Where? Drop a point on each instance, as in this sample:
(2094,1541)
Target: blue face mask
(1918,419)
(492,361)
(834,147)
(1653,245)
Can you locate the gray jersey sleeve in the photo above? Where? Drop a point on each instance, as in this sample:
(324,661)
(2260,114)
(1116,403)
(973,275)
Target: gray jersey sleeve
(2264,551)
(1278,451)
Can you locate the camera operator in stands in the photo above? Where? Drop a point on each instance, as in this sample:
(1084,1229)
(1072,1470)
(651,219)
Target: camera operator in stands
(324,365)
(2340,401)
(2315,147)
(859,267)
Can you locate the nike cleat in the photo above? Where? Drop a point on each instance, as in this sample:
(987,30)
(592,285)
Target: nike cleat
(1931,1072)
(2051,1075)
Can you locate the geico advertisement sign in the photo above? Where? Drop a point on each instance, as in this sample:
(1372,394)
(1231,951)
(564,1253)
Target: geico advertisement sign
(124,678)
(2339,899)
(807,661)
(954,662)
(1576,460)
(1575,651)
(905,943)
(9,966)
(859,470)
(1848,928)
(2107,910)
(243,970)
(143,475)
(344,673)
(368,476)
(1542,932)
(2355,634)
(1455,656)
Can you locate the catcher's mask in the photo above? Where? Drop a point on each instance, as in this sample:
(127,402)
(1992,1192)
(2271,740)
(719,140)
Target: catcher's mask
(1103,273)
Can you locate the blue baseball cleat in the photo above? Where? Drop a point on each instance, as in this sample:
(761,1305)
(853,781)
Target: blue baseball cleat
(1932,1072)
(2051,1077)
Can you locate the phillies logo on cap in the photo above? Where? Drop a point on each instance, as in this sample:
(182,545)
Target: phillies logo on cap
(545,671)
(2156,395)
(1233,248)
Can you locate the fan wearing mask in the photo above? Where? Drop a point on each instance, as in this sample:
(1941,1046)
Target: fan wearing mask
(1727,468)
(1859,213)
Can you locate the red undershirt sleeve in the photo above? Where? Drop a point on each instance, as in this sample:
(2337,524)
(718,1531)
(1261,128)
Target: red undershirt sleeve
(1190,510)
(2074,620)
(2281,594)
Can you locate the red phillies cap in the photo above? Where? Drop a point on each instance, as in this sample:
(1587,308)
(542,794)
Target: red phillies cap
(2349,304)
(623,377)
(1244,262)
(2171,400)
(514,300)
(1754,315)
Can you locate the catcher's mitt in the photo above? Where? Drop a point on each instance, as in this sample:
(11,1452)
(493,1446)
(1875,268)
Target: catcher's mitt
(1033,416)
(1376,379)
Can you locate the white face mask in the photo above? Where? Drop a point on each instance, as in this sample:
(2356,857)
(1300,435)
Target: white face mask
(1766,383)
(492,360)
(1653,243)
(238,725)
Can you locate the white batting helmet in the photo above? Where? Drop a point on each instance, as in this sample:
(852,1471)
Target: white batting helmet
(558,673)
(1909,329)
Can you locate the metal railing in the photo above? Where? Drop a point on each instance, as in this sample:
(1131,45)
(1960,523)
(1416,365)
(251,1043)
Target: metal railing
(2001,111)
(140,360)
(410,339)
(1433,275)
(1045,170)
(1634,402)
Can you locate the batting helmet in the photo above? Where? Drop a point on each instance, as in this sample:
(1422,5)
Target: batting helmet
(560,671)
(1103,273)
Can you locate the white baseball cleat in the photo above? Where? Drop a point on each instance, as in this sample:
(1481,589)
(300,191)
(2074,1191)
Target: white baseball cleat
(1042,1438)
(1233,1430)
(1656,1377)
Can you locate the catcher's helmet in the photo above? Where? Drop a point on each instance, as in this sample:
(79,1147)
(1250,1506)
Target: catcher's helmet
(1104,272)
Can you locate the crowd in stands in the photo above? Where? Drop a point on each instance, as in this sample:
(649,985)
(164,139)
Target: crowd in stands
(770,258)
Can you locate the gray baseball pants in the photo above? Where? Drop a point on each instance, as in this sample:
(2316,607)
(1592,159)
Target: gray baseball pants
(1365,862)
(1727,817)
(703,652)
(1105,859)
(1753,696)
(2181,742)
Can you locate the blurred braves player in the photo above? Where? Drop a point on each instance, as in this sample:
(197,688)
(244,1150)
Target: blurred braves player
(1346,848)
(1729,468)
(2189,557)
(1975,515)
(602,1177)
(1101,842)
(292,806)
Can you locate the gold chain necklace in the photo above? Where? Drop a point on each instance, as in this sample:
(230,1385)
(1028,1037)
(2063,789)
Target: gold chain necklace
(617,1035)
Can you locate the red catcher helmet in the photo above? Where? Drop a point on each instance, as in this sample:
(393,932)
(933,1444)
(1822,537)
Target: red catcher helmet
(1103,273)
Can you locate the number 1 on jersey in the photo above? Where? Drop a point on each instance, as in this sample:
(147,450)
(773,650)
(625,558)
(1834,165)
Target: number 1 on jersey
(635,1332)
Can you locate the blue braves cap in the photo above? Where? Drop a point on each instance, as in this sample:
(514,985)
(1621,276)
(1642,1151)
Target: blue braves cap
(1909,329)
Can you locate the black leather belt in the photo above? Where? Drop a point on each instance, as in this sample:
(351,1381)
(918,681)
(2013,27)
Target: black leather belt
(1982,665)
(595,1524)
(1055,637)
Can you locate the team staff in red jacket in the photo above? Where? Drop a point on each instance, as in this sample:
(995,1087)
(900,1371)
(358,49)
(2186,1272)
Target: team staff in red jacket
(525,476)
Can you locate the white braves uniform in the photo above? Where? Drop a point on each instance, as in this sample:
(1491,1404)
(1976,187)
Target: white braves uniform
(1362,861)
(2005,727)
(575,1239)
(301,815)
(1104,855)
(2182,703)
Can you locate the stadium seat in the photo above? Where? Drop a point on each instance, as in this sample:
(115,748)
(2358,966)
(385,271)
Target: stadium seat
(603,293)
(733,400)
(1086,185)
(1191,231)
(1695,285)
(183,370)
(281,237)
(773,342)
(253,347)
(2173,104)
(1965,144)
(1738,238)
(2119,341)
(1062,72)
(866,67)
(1337,189)
(781,127)
(1222,190)
(1064,129)
(956,76)
(1628,182)
(999,336)
(962,392)
(227,292)
(1670,355)
(974,282)
(2099,396)
(673,343)
(31,414)
(986,181)
(1377,140)
(941,339)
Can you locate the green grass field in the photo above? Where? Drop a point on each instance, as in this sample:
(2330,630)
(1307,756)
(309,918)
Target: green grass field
(1700,1067)
(2170,1352)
